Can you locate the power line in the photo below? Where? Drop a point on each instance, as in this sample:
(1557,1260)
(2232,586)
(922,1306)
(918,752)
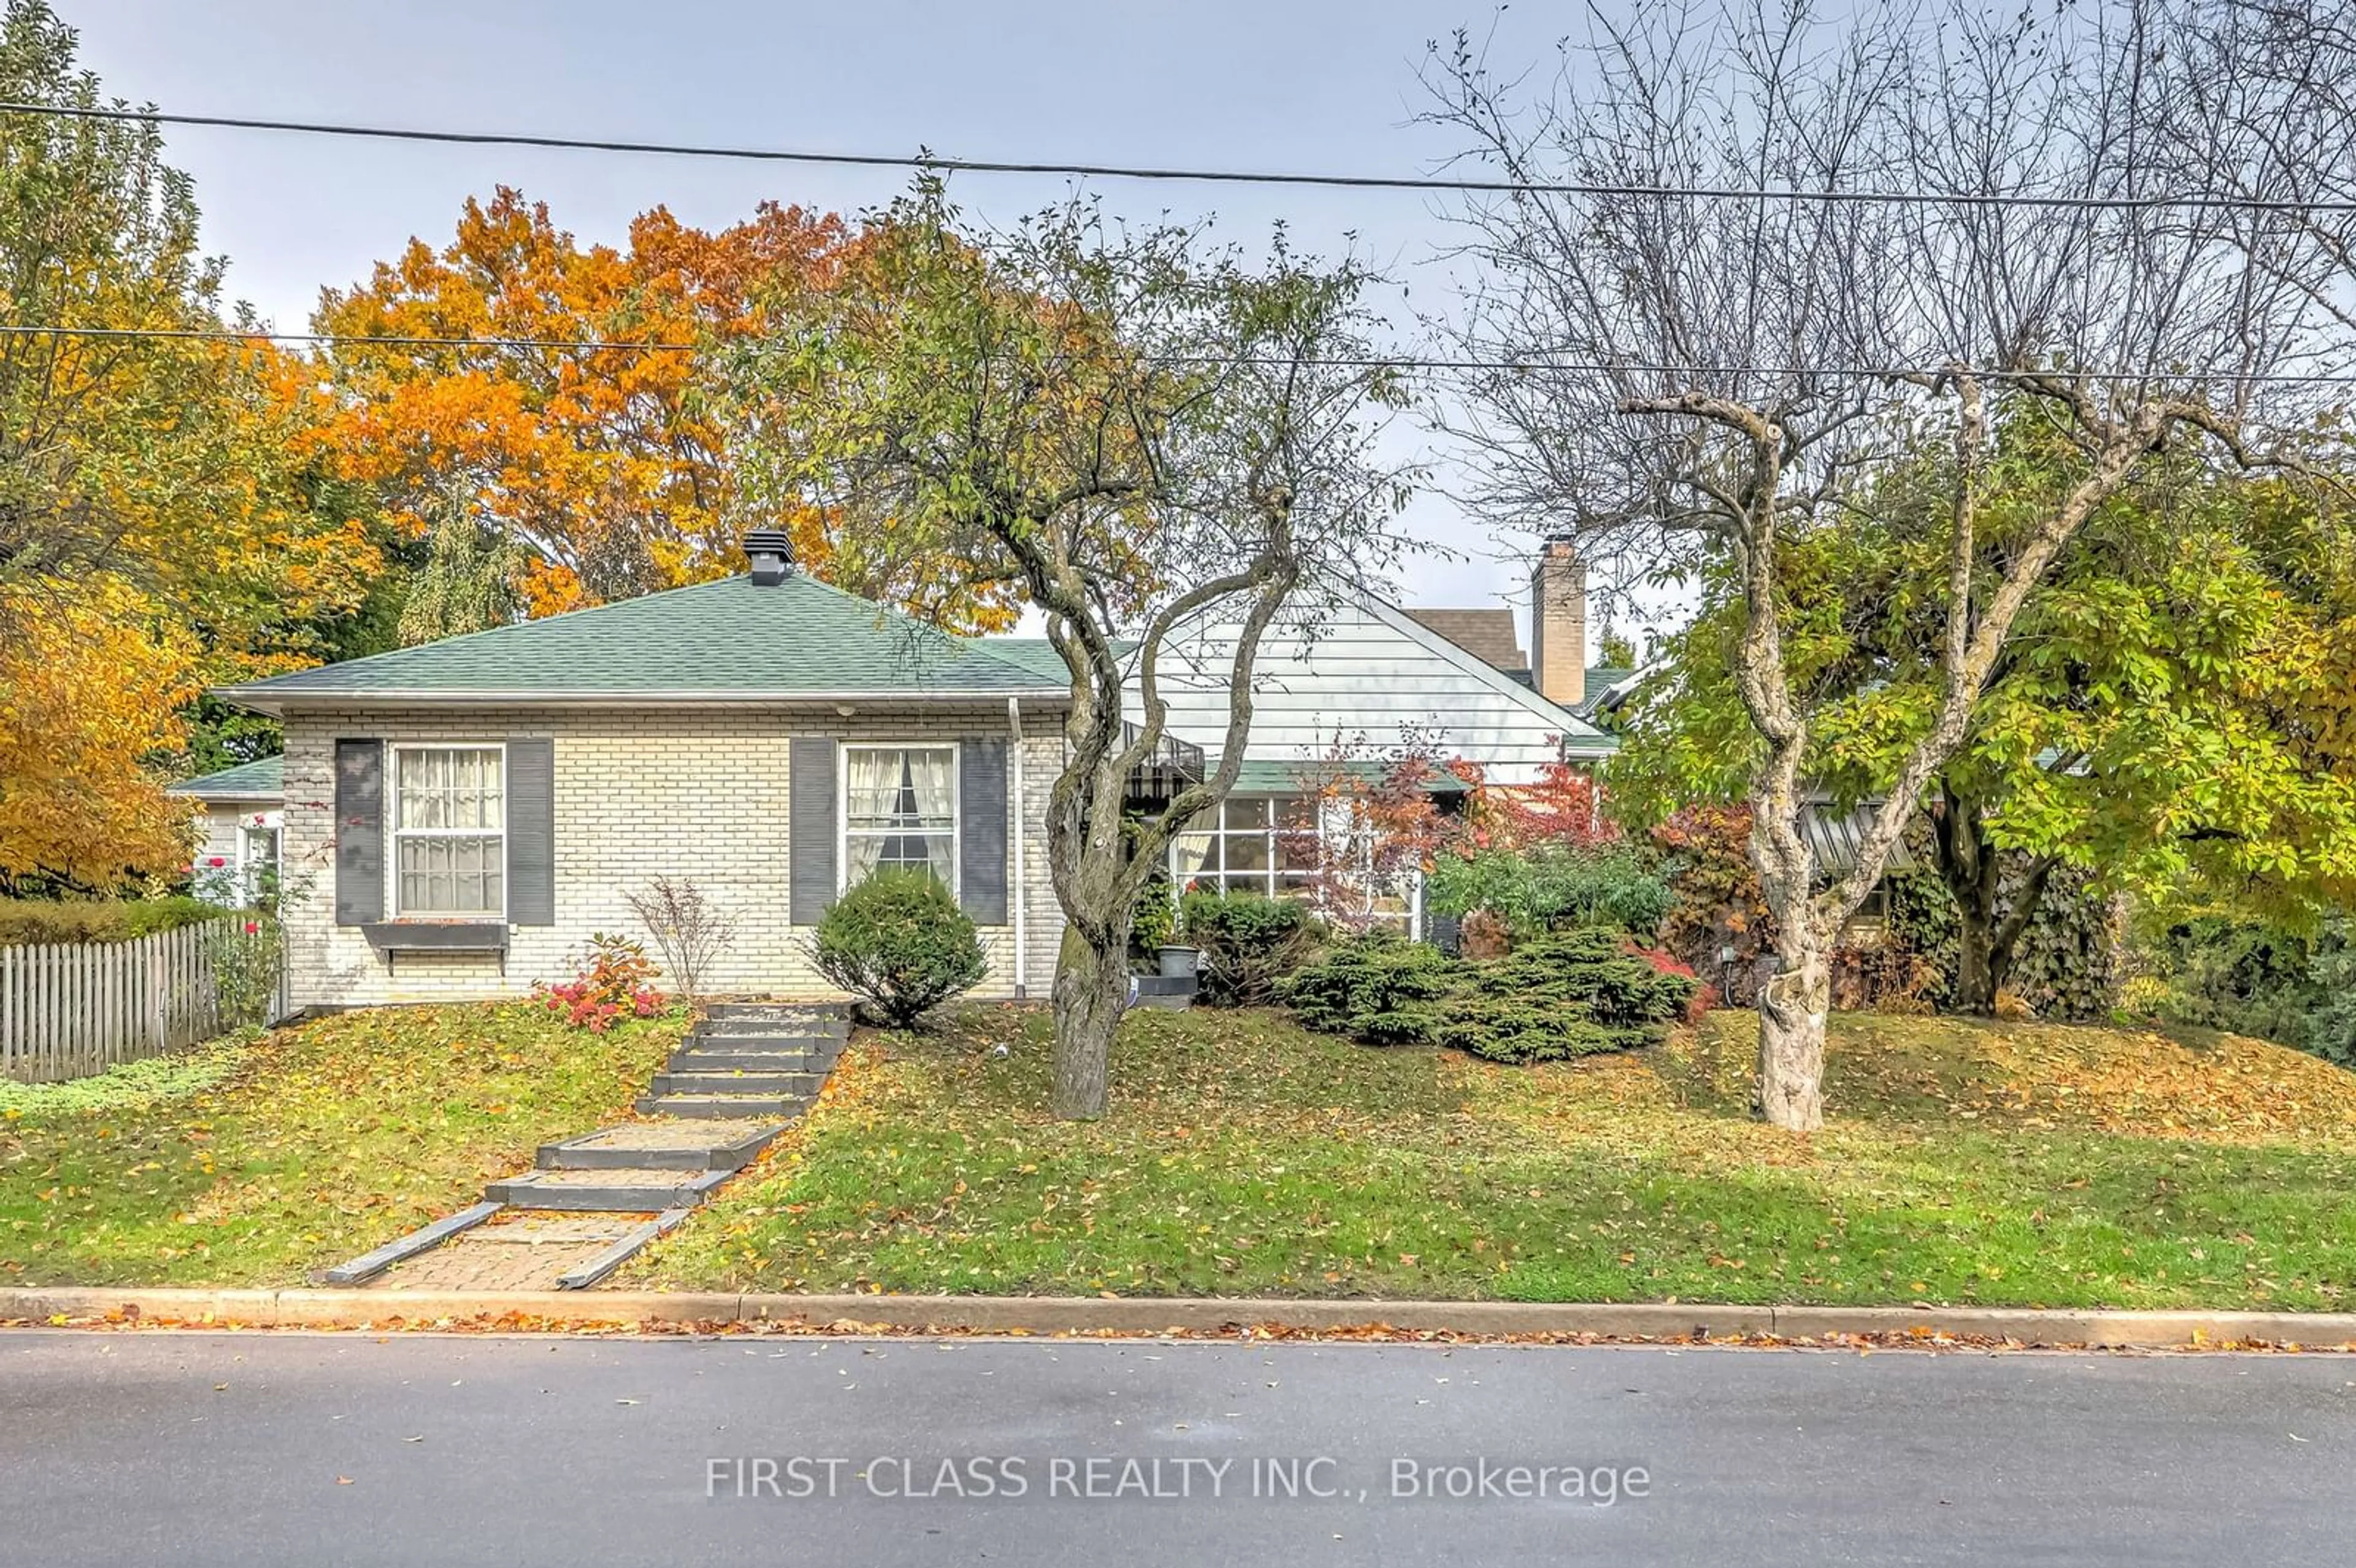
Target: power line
(2189,201)
(1360,362)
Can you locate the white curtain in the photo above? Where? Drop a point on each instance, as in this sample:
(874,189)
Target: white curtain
(902,811)
(934,775)
(449,787)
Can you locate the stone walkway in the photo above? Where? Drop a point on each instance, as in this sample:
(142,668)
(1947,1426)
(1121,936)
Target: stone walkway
(530,1250)
(743,1075)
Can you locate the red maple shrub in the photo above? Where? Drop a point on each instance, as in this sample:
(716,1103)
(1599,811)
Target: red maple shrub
(611,983)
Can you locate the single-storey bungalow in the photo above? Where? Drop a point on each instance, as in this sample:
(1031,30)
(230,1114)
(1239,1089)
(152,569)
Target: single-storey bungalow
(241,811)
(458,819)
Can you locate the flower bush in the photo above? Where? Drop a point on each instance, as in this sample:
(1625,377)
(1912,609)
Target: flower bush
(611,983)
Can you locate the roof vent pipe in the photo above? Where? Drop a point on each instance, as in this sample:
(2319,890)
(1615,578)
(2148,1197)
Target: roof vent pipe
(771,551)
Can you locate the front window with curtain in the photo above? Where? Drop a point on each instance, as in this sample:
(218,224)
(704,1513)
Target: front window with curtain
(450,848)
(900,811)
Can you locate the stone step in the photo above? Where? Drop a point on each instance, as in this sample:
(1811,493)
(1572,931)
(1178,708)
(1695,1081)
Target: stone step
(803,1028)
(805,1084)
(630,1189)
(694,1059)
(698,1145)
(717,1107)
(815,1044)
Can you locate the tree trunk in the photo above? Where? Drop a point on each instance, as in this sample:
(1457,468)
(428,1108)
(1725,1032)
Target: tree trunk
(1791,1009)
(1976,959)
(1987,935)
(1091,991)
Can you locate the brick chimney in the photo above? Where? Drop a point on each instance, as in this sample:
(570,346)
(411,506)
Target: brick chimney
(1558,622)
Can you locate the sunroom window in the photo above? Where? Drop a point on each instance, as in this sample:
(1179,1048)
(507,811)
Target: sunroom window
(450,851)
(899,811)
(1293,847)
(1251,843)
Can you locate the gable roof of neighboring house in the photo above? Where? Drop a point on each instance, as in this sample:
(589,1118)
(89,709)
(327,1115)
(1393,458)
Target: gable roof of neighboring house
(729,641)
(262,780)
(1490,636)
(1487,635)
(1607,686)
(1578,736)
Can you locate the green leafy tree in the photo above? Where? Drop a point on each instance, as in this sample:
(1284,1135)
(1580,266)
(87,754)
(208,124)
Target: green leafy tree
(1685,379)
(1133,431)
(2165,717)
(165,517)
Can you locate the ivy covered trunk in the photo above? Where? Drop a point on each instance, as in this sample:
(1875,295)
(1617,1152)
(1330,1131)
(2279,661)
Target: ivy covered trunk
(1994,905)
(1979,968)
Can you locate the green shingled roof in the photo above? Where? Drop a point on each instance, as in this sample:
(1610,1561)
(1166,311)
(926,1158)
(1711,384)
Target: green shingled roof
(715,640)
(263,780)
(1038,655)
(1261,775)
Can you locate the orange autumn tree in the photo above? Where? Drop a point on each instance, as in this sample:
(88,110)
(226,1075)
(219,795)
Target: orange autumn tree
(549,478)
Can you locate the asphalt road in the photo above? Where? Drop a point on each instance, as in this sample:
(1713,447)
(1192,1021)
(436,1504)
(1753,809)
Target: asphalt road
(265,1449)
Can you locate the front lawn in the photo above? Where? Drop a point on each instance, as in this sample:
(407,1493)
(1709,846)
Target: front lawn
(254,1163)
(1975,1163)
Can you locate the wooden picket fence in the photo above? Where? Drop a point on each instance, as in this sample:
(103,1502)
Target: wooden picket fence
(69,1010)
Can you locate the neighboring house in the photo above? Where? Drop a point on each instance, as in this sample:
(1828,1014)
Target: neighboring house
(241,811)
(1335,685)
(461,817)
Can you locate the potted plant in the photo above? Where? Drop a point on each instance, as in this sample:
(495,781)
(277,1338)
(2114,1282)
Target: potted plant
(1179,960)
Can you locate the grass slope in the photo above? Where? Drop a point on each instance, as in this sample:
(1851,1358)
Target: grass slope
(250,1165)
(2015,1164)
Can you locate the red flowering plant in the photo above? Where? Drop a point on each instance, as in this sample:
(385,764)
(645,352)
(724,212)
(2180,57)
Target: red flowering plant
(610,983)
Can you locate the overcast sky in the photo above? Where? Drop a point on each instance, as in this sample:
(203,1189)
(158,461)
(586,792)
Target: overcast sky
(1320,85)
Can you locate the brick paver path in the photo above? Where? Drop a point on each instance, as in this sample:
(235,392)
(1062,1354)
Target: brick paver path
(528,1252)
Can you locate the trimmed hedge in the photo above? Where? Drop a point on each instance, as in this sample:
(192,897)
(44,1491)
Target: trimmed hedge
(1614,885)
(900,941)
(24,922)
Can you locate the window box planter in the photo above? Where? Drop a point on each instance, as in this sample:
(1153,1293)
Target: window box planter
(394,936)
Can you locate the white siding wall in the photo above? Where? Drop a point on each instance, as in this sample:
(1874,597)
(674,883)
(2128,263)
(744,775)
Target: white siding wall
(1357,674)
(680,792)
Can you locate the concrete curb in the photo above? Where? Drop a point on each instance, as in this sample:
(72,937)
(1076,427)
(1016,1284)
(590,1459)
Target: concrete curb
(1151,1316)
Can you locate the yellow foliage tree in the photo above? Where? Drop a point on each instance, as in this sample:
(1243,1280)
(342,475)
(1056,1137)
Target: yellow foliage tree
(91,687)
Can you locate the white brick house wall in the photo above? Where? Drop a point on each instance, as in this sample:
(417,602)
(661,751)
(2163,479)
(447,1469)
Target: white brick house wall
(699,793)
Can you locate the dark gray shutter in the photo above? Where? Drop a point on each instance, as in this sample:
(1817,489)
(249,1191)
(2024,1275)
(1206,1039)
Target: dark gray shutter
(531,832)
(981,831)
(809,839)
(360,832)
